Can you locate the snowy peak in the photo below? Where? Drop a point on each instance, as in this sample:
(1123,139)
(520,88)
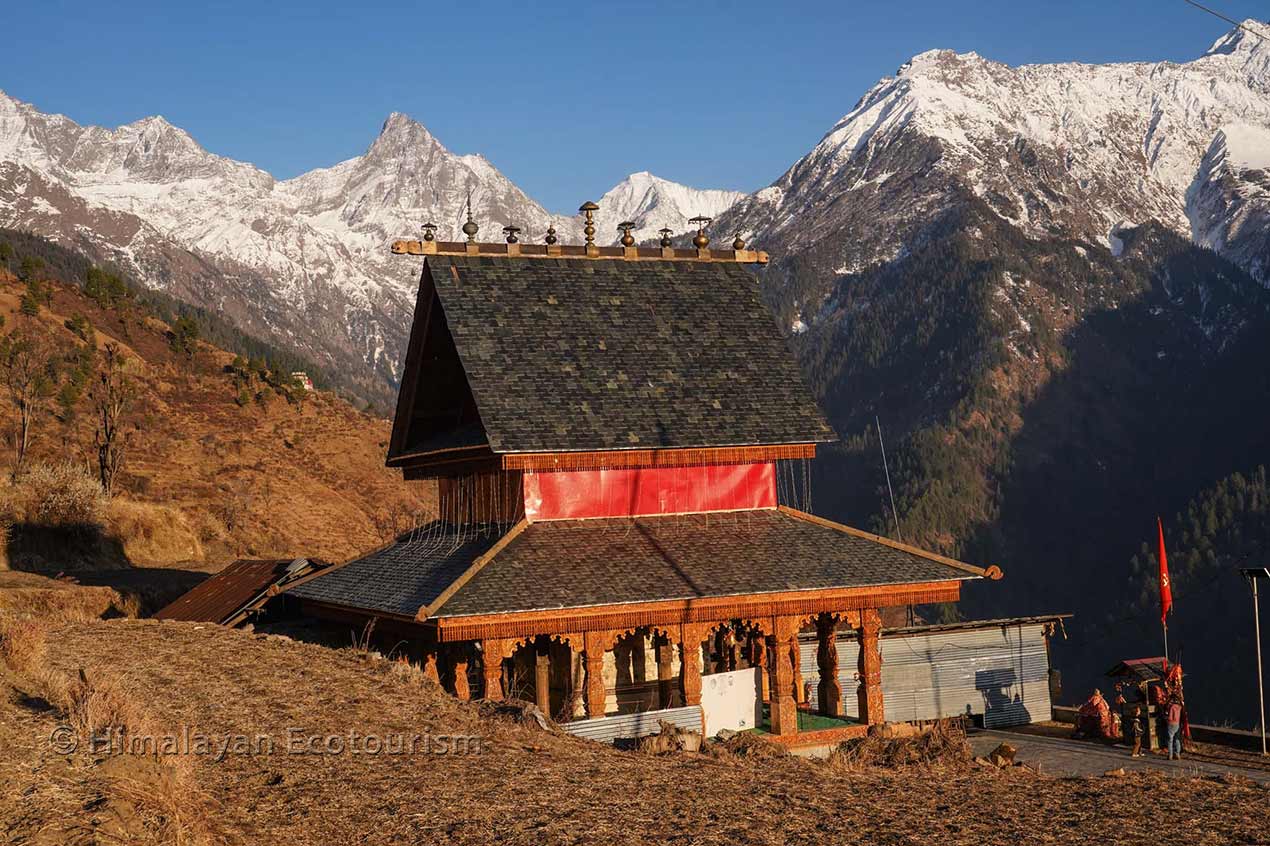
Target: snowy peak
(1068,147)
(651,203)
(1243,40)
(302,261)
(401,135)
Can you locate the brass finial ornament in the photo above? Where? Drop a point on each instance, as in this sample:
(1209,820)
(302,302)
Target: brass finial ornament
(589,209)
(665,236)
(738,243)
(429,231)
(551,235)
(510,231)
(701,240)
(625,227)
(470,228)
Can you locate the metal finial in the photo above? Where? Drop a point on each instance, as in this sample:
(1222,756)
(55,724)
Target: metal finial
(429,231)
(665,236)
(701,240)
(470,228)
(589,209)
(625,227)
(510,231)
(738,243)
(551,235)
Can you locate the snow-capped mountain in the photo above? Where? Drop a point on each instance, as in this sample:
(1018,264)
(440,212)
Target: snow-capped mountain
(303,261)
(1074,149)
(652,203)
(1049,283)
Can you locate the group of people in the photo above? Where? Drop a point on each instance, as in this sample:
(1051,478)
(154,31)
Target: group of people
(1137,713)
(1095,717)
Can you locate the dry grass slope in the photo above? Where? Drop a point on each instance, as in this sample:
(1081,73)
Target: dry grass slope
(536,787)
(207,479)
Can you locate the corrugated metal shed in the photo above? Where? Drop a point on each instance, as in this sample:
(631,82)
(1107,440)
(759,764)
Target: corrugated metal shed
(641,724)
(998,671)
(238,589)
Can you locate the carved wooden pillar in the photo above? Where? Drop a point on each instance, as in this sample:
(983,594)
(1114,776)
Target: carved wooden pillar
(492,653)
(430,670)
(796,658)
(639,661)
(827,660)
(594,647)
(783,709)
(721,650)
(870,668)
(665,678)
(542,675)
(690,662)
(462,690)
(760,660)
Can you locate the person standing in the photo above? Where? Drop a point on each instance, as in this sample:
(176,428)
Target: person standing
(1135,728)
(1173,725)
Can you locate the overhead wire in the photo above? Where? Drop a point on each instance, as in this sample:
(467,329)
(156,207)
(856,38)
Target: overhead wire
(1217,14)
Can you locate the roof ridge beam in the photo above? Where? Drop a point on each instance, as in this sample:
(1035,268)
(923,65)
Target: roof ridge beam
(992,572)
(475,567)
(570,251)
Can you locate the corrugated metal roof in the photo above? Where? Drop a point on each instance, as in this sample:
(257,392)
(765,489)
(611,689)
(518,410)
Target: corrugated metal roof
(226,594)
(1144,669)
(639,724)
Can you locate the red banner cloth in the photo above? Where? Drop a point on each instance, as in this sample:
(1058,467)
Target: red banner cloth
(632,492)
(1166,587)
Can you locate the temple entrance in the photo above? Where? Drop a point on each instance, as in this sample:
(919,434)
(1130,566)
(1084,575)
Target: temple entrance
(642,671)
(548,673)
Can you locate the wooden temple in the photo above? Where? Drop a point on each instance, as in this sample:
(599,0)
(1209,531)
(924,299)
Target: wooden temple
(620,439)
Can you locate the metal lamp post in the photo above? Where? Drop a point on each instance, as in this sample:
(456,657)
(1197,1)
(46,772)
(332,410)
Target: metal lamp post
(1253,575)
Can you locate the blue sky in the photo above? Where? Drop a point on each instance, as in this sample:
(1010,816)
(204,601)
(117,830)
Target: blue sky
(566,99)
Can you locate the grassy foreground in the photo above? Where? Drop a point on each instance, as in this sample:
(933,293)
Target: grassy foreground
(523,786)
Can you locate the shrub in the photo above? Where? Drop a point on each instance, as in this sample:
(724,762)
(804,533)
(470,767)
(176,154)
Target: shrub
(183,335)
(151,532)
(23,644)
(58,496)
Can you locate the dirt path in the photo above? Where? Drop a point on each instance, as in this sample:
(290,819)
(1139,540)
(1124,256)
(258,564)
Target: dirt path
(1067,757)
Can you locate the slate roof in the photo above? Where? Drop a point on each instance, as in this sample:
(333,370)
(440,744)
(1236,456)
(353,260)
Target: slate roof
(579,563)
(585,355)
(403,577)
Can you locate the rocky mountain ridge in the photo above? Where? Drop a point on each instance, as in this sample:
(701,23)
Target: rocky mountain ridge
(301,262)
(1049,283)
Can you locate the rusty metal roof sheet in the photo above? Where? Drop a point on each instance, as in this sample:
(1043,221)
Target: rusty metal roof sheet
(239,588)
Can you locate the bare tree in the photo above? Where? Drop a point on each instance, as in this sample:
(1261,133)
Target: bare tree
(112,396)
(26,360)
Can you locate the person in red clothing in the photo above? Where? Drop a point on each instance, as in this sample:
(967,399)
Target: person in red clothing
(1173,720)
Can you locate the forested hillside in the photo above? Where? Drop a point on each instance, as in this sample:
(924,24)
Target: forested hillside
(181,451)
(1042,401)
(1224,528)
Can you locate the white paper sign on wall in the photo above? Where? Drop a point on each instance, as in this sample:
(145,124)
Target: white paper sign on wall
(731,700)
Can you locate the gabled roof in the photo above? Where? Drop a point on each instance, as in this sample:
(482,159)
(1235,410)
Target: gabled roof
(565,564)
(1142,669)
(577,355)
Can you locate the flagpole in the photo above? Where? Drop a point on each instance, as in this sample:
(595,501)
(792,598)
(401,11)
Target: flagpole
(1166,591)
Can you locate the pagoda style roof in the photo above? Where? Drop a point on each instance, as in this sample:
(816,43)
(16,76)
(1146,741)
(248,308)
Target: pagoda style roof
(563,354)
(576,564)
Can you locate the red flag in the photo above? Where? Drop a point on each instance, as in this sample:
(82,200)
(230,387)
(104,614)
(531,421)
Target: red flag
(1166,587)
